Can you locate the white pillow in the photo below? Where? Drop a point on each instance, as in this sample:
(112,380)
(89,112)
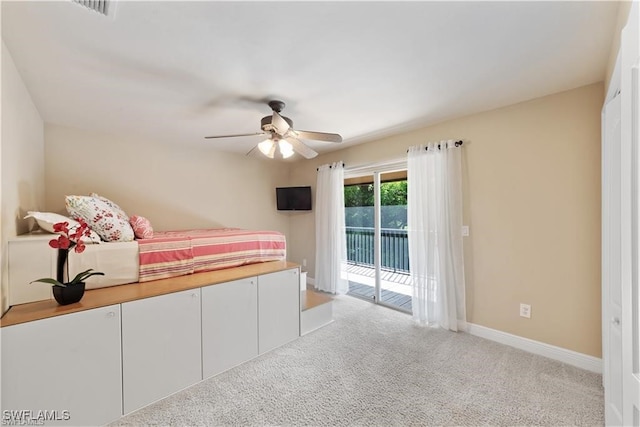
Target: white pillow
(46,221)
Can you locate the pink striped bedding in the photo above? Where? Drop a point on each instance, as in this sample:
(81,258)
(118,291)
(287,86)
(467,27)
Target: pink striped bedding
(176,253)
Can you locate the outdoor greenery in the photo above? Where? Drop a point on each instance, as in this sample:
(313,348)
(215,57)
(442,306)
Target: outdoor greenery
(391,194)
(358,201)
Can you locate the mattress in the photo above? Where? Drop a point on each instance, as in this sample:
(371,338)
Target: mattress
(174,253)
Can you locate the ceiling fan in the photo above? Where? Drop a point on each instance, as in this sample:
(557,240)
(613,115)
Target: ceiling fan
(282,139)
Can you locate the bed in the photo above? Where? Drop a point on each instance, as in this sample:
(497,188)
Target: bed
(111,248)
(176,253)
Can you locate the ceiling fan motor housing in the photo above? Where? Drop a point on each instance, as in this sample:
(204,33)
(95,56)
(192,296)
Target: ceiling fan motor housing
(276,105)
(265,123)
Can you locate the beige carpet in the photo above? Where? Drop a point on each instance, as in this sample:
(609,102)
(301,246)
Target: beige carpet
(373,366)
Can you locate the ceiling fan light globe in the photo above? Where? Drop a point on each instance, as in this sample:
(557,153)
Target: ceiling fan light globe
(285,145)
(265,147)
(286,149)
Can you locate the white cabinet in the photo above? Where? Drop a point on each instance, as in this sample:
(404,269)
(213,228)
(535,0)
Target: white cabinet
(161,347)
(93,366)
(229,325)
(29,258)
(68,365)
(278,309)
(244,318)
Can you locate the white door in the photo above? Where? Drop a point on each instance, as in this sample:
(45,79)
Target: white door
(278,309)
(611,262)
(229,325)
(161,347)
(621,233)
(631,308)
(633,334)
(630,295)
(66,367)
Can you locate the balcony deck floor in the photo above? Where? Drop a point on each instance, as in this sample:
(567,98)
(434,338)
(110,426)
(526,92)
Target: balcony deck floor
(396,287)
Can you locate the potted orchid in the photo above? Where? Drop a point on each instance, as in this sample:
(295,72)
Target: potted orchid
(65,291)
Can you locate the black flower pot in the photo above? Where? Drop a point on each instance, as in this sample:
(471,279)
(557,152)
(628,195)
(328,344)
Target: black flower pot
(68,294)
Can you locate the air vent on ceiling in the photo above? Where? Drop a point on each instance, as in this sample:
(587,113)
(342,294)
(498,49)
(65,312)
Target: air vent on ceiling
(100,6)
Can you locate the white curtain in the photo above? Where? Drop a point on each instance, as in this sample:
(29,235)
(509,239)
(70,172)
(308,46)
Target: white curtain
(434,211)
(331,243)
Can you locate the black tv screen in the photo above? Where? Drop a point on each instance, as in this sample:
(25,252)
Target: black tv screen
(293,198)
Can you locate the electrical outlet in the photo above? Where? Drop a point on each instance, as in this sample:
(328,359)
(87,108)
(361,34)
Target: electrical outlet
(525,311)
(465,230)
(304,262)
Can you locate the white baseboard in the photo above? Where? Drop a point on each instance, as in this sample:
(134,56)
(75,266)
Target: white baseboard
(311,281)
(580,360)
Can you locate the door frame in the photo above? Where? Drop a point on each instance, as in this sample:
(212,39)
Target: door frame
(376,170)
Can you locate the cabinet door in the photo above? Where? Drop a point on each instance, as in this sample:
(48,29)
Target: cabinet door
(68,366)
(278,309)
(229,325)
(160,347)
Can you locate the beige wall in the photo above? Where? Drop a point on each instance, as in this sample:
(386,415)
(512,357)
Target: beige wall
(22,157)
(532,200)
(623,15)
(174,186)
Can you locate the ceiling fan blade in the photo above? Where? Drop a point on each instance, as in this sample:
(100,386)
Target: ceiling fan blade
(233,136)
(318,136)
(301,148)
(281,126)
(252,150)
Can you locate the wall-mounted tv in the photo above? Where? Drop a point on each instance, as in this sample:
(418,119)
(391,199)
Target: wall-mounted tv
(293,198)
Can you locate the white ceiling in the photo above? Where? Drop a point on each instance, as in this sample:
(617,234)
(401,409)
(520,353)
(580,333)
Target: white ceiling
(178,71)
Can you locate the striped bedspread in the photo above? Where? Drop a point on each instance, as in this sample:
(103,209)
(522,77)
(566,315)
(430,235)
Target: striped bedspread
(176,253)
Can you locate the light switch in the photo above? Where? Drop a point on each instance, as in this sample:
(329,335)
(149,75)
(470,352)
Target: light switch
(465,230)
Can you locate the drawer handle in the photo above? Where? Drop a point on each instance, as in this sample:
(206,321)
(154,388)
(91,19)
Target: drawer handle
(111,314)
(615,321)
(194,295)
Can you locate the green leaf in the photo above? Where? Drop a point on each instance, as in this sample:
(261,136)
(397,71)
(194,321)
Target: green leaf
(49,281)
(81,277)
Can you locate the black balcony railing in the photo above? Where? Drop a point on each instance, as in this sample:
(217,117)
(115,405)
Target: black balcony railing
(394,248)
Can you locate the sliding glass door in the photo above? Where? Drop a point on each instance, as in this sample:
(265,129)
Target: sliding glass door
(377,248)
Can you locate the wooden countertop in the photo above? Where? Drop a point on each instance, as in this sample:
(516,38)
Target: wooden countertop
(102,297)
(310,299)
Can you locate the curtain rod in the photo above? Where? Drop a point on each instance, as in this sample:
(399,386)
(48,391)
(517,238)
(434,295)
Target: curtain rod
(343,165)
(457,144)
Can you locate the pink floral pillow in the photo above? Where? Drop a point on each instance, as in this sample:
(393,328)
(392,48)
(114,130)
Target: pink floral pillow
(114,207)
(141,227)
(100,217)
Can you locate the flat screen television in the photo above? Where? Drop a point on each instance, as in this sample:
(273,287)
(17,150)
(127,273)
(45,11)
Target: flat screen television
(293,198)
